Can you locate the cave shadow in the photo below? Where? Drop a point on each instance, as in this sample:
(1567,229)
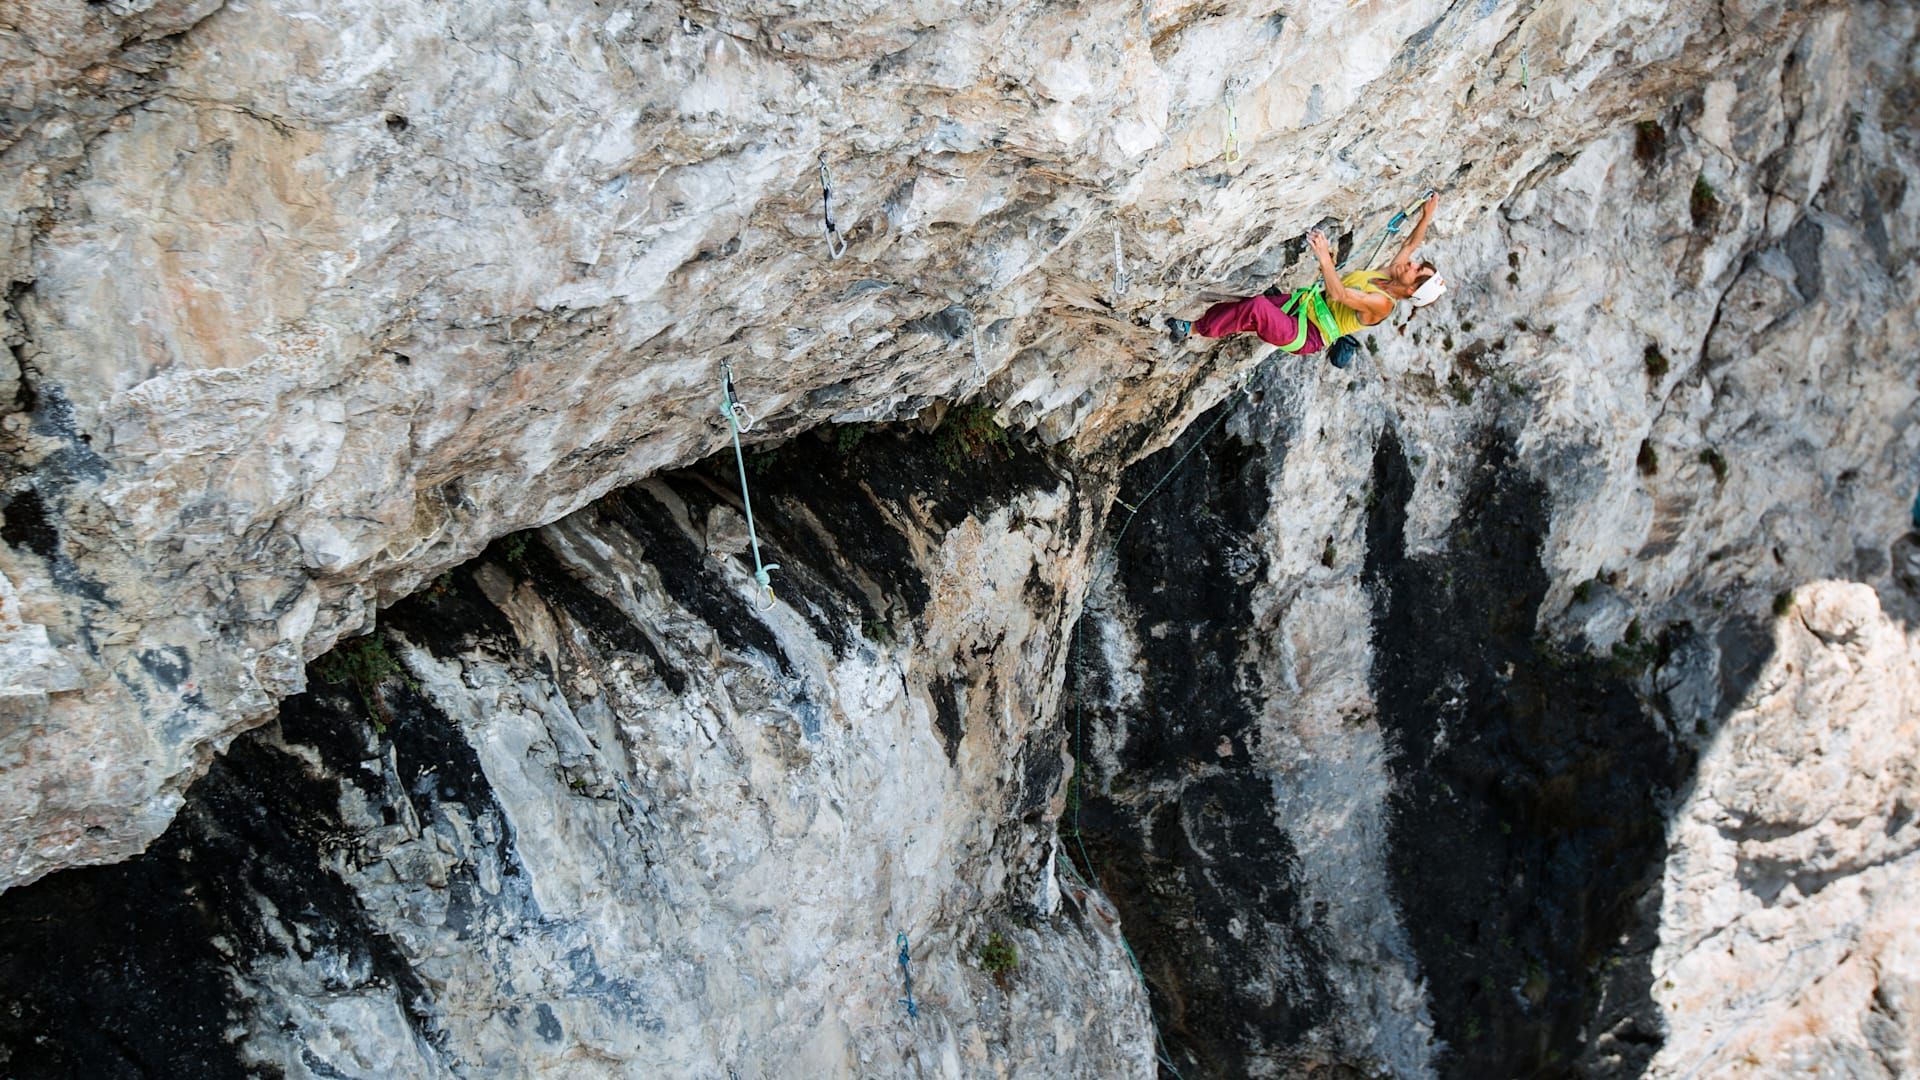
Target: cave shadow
(1535,784)
(148,966)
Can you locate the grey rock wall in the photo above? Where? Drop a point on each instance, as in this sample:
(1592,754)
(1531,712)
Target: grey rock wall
(611,821)
(310,302)
(1444,716)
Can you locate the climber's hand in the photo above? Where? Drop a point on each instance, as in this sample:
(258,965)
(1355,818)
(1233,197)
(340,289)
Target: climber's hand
(1317,240)
(1426,212)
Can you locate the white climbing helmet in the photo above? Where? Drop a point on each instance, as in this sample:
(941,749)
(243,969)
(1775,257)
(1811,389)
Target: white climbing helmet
(1429,290)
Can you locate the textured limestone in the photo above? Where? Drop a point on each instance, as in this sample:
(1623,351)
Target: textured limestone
(1788,937)
(1756,337)
(616,823)
(335,293)
(310,302)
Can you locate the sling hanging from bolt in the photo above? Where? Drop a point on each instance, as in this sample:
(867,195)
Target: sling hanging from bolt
(739,421)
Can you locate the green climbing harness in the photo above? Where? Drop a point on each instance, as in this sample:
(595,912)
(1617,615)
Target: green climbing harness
(739,421)
(1308,307)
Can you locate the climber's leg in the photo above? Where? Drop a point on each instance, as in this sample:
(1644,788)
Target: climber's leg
(1259,315)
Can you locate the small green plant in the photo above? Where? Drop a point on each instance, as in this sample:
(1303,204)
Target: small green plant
(441,585)
(1782,603)
(998,956)
(514,548)
(1648,459)
(1459,389)
(970,433)
(1327,554)
(1704,203)
(1715,460)
(764,461)
(847,436)
(363,663)
(1655,361)
(1583,592)
(1635,652)
(877,630)
(1473,1027)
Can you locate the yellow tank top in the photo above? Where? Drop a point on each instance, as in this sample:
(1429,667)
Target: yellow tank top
(1347,319)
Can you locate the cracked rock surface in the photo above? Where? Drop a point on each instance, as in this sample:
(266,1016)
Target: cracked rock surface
(1531,698)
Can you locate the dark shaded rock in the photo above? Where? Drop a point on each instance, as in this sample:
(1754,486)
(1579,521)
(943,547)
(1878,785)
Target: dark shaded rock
(1530,795)
(1184,836)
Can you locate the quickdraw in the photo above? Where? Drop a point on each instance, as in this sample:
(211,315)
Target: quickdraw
(836,245)
(906,975)
(739,421)
(1233,129)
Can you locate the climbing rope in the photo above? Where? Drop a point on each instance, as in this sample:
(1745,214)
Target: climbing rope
(836,246)
(739,421)
(1392,230)
(1133,509)
(906,975)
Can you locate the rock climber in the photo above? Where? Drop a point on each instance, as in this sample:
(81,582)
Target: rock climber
(1330,313)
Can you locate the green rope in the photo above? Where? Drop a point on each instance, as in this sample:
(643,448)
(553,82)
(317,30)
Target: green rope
(1133,509)
(739,421)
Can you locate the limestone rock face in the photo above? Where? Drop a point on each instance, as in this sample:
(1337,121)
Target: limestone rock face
(1787,936)
(1443,716)
(614,821)
(311,301)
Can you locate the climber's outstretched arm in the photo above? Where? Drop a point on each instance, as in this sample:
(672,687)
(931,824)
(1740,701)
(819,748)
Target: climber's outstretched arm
(1372,306)
(1419,234)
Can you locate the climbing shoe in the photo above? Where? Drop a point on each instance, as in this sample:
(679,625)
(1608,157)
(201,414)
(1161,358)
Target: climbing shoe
(1342,353)
(1178,329)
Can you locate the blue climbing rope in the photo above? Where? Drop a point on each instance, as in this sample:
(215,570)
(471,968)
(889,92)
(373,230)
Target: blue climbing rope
(906,975)
(739,421)
(1393,228)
